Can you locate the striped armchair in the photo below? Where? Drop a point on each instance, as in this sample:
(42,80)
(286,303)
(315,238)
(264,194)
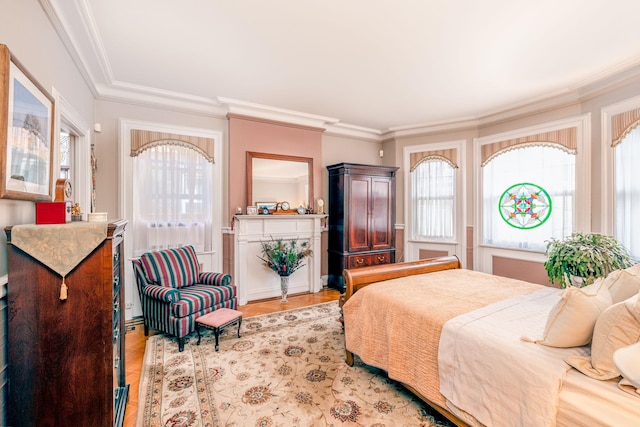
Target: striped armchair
(174,293)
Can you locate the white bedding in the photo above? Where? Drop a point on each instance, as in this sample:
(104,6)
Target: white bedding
(498,387)
(589,402)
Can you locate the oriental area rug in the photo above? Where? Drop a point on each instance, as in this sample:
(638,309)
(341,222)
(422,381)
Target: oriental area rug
(287,369)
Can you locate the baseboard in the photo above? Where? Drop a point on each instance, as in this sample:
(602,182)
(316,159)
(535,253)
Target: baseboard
(133,322)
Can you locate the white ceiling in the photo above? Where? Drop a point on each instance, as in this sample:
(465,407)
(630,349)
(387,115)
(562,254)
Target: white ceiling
(373,64)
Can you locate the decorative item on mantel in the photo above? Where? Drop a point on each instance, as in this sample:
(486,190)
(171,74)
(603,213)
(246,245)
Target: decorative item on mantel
(76,214)
(284,258)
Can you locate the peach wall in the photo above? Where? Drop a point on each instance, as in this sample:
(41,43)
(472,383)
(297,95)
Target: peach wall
(428,253)
(265,136)
(529,271)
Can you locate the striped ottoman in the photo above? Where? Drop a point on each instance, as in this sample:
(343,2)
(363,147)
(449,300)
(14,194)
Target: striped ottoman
(217,320)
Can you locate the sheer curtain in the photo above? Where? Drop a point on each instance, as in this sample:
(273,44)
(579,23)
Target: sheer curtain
(172,201)
(627,192)
(433,186)
(546,166)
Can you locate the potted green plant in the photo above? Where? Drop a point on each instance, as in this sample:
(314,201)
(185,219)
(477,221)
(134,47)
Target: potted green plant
(284,257)
(581,258)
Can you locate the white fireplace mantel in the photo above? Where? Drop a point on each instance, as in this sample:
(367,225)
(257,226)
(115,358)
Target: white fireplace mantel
(256,281)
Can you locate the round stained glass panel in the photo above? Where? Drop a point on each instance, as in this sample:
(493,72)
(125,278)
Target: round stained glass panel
(525,205)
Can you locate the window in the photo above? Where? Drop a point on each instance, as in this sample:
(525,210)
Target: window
(549,167)
(433,188)
(627,192)
(66,155)
(172,198)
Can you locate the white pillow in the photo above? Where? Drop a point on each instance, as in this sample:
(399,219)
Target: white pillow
(627,360)
(571,320)
(623,284)
(619,326)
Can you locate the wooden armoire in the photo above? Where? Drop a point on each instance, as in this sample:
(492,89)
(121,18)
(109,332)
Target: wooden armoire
(362,200)
(66,356)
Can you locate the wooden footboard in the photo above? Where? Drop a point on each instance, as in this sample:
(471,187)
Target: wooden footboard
(359,278)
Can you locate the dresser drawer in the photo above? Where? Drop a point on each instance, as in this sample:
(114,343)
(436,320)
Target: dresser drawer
(381,258)
(365,260)
(358,261)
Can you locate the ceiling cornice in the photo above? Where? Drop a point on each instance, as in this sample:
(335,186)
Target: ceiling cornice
(60,28)
(96,71)
(274,122)
(266,112)
(354,132)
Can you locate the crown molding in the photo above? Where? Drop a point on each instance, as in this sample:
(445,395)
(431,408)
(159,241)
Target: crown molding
(613,78)
(165,100)
(353,132)
(96,72)
(274,122)
(59,25)
(245,108)
(430,128)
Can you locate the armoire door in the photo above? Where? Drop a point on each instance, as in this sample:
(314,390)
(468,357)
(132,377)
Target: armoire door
(358,213)
(381,214)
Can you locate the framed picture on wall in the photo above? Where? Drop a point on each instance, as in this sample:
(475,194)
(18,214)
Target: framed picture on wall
(26,133)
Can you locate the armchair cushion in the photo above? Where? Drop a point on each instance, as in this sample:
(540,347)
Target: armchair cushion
(198,298)
(173,268)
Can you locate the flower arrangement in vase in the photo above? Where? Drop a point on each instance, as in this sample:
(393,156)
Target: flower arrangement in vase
(284,257)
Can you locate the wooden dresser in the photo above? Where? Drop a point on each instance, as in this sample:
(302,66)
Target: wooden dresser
(66,357)
(362,201)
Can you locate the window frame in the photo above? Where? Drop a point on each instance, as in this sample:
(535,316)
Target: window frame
(608,214)
(210,260)
(483,253)
(68,119)
(453,198)
(457,245)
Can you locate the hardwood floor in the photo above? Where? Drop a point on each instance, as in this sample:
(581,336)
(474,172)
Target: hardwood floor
(135,340)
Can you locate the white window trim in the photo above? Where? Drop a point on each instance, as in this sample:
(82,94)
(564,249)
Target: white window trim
(67,115)
(483,254)
(211,261)
(458,245)
(608,168)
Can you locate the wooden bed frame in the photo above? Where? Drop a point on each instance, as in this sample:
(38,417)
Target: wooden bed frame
(361,277)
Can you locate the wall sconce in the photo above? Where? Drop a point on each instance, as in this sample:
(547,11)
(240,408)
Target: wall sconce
(381,152)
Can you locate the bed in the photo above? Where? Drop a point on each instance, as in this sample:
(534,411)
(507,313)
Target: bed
(457,339)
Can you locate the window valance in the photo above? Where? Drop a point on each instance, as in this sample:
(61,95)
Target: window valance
(144,139)
(622,124)
(450,156)
(565,139)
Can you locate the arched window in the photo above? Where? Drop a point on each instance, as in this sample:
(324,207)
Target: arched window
(433,199)
(172,197)
(528,195)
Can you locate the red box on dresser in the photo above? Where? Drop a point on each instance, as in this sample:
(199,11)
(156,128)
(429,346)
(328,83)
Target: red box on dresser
(53,212)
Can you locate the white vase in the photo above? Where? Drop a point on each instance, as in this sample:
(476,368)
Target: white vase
(580,282)
(284,287)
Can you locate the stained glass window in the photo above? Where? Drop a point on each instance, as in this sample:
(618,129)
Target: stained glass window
(525,205)
(551,169)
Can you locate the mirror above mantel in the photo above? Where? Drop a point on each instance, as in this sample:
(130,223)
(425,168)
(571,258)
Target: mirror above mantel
(275,178)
